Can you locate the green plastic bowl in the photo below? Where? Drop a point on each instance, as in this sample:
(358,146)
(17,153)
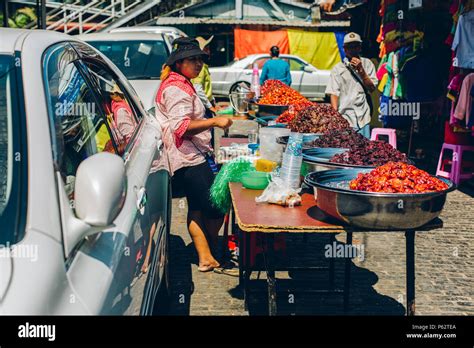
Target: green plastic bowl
(255,180)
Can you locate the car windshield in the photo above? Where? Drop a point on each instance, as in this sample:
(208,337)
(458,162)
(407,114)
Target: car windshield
(138,59)
(5,132)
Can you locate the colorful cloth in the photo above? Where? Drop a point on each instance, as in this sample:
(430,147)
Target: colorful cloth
(464,105)
(318,48)
(340,43)
(248,42)
(454,87)
(463,43)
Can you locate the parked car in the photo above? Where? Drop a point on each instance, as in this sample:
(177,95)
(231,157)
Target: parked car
(170,33)
(138,55)
(306,79)
(83,200)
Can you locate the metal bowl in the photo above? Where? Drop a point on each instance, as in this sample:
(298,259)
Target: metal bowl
(318,166)
(268,109)
(385,211)
(317,159)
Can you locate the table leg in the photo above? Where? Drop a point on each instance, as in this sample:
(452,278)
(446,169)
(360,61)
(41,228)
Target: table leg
(239,235)
(225,239)
(410,271)
(331,265)
(270,269)
(347,274)
(247,267)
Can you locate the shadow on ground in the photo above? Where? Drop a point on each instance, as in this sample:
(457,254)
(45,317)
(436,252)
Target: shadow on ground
(293,297)
(467,188)
(180,277)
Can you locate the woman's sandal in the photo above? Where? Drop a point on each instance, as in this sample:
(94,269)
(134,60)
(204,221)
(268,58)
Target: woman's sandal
(206,268)
(228,268)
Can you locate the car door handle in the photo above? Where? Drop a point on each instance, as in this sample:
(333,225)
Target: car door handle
(159,144)
(247,73)
(141,200)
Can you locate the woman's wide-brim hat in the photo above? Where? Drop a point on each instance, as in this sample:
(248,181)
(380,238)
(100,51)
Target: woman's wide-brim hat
(184,47)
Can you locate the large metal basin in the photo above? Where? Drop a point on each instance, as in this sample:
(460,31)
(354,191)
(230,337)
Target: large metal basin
(373,211)
(268,109)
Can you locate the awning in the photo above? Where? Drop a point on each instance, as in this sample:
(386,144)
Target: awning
(232,21)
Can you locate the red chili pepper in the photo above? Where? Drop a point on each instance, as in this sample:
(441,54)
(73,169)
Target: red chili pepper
(397,177)
(277,93)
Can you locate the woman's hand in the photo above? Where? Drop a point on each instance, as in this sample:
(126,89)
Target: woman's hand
(222,122)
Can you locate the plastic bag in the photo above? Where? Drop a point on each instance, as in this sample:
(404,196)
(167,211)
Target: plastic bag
(278,192)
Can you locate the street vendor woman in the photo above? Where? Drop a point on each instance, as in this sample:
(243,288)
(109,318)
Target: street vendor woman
(351,83)
(186,136)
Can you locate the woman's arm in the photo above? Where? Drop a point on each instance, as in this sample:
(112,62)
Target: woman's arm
(199,126)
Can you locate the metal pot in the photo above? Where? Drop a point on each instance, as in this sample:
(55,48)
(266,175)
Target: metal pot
(239,102)
(268,109)
(385,211)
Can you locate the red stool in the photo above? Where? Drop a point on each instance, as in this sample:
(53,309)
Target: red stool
(458,168)
(257,247)
(390,132)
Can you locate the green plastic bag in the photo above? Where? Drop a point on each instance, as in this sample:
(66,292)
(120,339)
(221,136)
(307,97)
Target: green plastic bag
(230,172)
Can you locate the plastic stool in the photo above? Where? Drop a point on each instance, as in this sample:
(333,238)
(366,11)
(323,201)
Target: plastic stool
(456,174)
(390,132)
(257,247)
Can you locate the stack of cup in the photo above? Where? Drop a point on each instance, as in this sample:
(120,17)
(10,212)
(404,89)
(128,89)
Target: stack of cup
(292,160)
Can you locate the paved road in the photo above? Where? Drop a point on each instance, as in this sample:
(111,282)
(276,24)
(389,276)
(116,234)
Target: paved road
(444,272)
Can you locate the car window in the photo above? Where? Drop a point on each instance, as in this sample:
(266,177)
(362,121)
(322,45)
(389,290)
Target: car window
(5,132)
(295,64)
(138,60)
(119,109)
(260,62)
(78,123)
(13,153)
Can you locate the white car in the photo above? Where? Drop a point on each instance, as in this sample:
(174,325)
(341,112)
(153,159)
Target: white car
(306,79)
(139,55)
(83,199)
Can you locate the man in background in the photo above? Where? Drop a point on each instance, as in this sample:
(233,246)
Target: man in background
(350,85)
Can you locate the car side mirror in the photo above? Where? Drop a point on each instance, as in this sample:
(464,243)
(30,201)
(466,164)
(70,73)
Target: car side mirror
(308,69)
(100,189)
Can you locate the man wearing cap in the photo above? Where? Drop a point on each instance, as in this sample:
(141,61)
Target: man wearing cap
(276,68)
(202,83)
(351,83)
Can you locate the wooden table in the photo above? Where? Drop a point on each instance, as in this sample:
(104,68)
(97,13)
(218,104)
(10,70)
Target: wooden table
(269,219)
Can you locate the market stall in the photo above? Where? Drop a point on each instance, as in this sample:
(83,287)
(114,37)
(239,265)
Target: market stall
(269,221)
(359,185)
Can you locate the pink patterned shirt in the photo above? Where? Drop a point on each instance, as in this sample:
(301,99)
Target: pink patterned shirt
(177,104)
